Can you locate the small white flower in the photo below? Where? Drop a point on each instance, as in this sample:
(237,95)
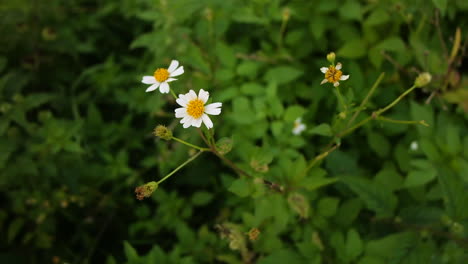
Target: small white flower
(298,126)
(194,110)
(333,74)
(162,77)
(414,146)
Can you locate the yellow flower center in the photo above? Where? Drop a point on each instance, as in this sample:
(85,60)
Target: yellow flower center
(161,75)
(195,108)
(333,75)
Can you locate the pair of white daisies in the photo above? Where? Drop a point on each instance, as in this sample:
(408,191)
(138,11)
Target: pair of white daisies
(193,111)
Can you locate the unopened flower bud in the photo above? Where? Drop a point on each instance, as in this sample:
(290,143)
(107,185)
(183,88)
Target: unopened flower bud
(163,132)
(253,234)
(145,191)
(224,145)
(331,57)
(299,204)
(423,79)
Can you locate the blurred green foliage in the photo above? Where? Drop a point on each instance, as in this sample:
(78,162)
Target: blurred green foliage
(75,132)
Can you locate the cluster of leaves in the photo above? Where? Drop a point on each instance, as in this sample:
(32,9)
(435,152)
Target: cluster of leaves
(75,132)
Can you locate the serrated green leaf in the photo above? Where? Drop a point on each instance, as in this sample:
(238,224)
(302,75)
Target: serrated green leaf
(382,201)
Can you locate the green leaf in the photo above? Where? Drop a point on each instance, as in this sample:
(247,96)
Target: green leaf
(201,198)
(353,49)
(241,187)
(14,229)
(252,88)
(243,113)
(392,247)
(455,194)
(419,177)
(379,144)
(351,10)
(130,252)
(226,55)
(327,206)
(322,129)
(354,245)
(282,256)
(423,112)
(377,17)
(282,74)
(293,112)
(392,44)
(441,4)
(248,69)
(376,198)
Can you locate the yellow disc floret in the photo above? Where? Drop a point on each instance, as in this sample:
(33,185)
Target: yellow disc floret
(195,108)
(333,75)
(161,75)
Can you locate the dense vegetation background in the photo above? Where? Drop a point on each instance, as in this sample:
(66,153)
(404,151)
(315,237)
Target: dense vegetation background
(76,132)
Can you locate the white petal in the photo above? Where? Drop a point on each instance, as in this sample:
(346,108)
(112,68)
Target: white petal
(197,122)
(324,69)
(182,100)
(207,121)
(177,72)
(180,112)
(323,81)
(344,77)
(338,66)
(203,95)
(173,66)
(191,95)
(184,119)
(336,84)
(148,80)
(164,87)
(298,120)
(188,121)
(171,79)
(153,87)
(213,109)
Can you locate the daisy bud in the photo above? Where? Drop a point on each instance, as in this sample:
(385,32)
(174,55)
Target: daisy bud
(163,132)
(224,145)
(423,79)
(253,234)
(331,57)
(145,191)
(299,204)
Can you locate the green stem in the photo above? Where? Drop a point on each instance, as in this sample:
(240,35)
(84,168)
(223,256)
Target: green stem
(396,101)
(366,99)
(340,97)
(173,94)
(190,145)
(180,166)
(377,113)
(406,122)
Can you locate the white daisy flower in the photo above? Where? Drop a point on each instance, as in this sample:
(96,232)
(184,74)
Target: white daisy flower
(194,110)
(162,77)
(333,74)
(298,126)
